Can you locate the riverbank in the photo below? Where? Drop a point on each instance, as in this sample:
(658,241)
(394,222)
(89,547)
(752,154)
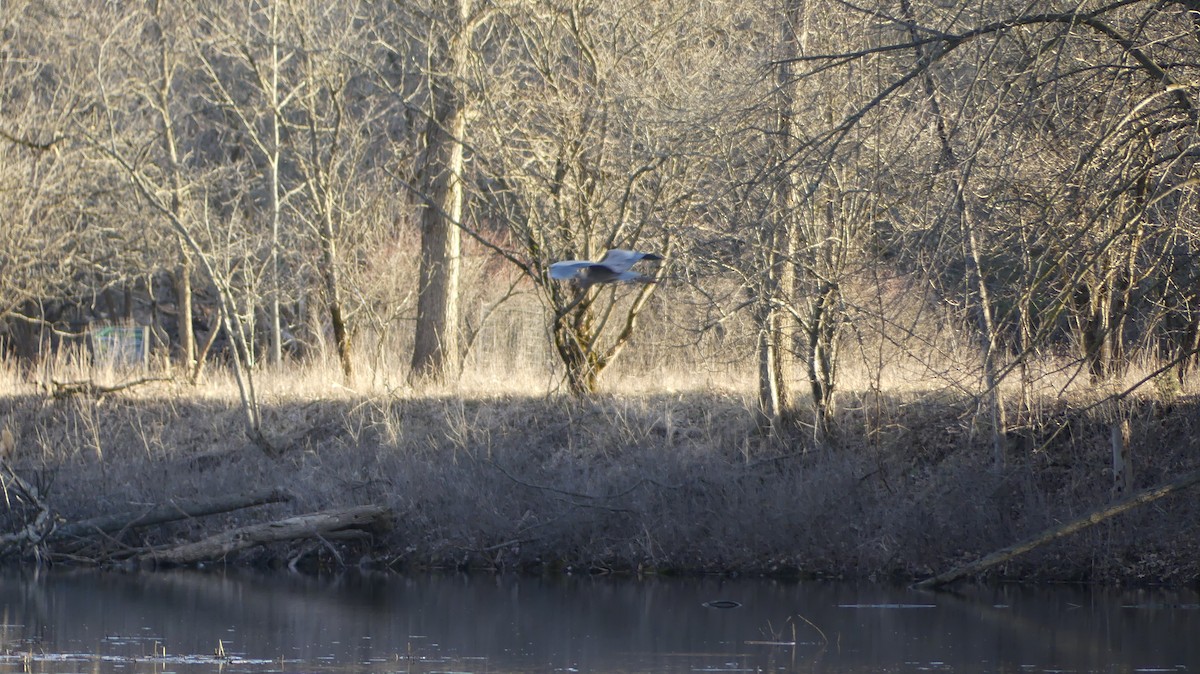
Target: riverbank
(682,482)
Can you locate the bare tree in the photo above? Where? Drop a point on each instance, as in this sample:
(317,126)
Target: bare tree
(37,167)
(122,144)
(338,111)
(64,238)
(798,215)
(249,59)
(162,27)
(578,160)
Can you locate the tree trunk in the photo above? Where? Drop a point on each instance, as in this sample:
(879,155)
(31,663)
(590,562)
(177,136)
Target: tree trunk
(333,295)
(183,273)
(184,311)
(435,347)
(583,373)
(976,281)
(575,341)
(777,327)
(1188,346)
(821,357)
(275,328)
(1091,300)
(988,339)
(1122,463)
(771,391)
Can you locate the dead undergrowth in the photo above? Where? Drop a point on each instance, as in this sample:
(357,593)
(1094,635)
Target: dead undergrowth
(653,481)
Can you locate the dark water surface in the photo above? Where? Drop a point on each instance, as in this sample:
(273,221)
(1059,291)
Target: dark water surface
(184,622)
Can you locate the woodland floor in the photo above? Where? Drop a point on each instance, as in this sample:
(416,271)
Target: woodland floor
(905,487)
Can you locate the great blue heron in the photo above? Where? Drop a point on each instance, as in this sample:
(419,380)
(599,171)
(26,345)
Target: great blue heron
(614,267)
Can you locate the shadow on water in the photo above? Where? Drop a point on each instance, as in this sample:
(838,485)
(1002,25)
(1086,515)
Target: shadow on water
(191,621)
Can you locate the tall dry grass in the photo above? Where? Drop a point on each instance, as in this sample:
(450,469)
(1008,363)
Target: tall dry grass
(665,469)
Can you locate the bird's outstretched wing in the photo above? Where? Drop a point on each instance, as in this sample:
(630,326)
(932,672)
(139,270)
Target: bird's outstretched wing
(568,269)
(620,260)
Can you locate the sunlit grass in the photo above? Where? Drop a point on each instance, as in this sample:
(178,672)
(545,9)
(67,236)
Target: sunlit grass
(665,467)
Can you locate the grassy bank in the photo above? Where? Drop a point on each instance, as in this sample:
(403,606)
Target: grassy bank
(676,481)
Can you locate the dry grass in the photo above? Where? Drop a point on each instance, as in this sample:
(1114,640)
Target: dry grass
(664,470)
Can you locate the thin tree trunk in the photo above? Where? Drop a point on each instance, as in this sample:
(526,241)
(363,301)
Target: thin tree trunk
(988,341)
(822,356)
(333,295)
(183,273)
(777,328)
(1122,463)
(185,311)
(1189,345)
(202,352)
(321,172)
(973,259)
(770,398)
(275,357)
(170,208)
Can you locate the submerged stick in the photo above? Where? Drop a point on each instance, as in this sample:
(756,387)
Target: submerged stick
(1094,517)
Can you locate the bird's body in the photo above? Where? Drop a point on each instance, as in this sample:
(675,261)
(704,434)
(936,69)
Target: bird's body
(614,267)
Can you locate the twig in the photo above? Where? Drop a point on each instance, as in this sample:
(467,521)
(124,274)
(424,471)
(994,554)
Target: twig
(69,388)
(814,626)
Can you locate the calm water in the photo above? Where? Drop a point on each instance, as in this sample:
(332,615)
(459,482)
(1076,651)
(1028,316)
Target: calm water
(183,621)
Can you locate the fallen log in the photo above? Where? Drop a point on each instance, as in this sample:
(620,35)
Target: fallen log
(1094,517)
(324,523)
(166,512)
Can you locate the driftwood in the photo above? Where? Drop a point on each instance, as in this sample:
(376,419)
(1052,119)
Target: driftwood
(1094,517)
(41,533)
(168,512)
(319,524)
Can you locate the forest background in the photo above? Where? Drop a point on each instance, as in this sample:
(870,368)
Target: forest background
(930,281)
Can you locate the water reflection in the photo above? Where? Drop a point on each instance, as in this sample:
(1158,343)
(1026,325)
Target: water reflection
(185,621)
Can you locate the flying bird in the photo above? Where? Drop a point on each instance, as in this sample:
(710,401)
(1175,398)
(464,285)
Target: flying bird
(614,267)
